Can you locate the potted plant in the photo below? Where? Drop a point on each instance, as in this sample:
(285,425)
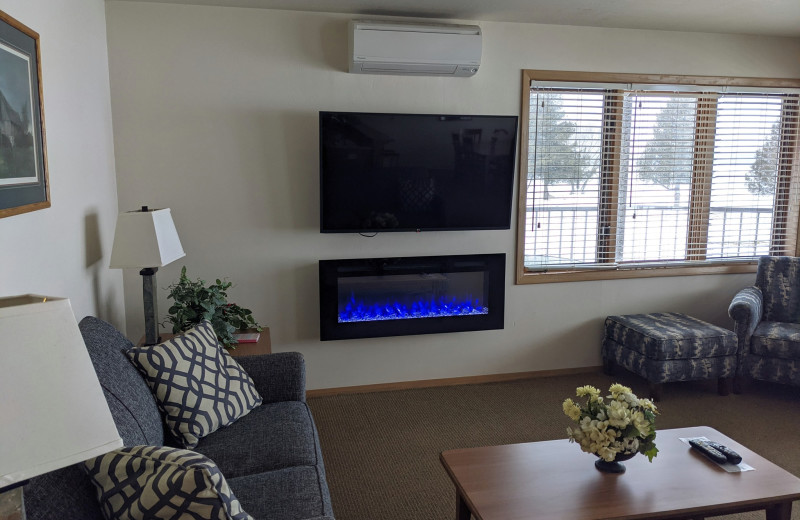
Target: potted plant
(194,302)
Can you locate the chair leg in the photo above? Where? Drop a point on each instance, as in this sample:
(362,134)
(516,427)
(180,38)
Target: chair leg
(724,385)
(656,389)
(738,385)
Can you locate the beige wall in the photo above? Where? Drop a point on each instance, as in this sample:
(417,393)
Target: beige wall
(215,115)
(64,250)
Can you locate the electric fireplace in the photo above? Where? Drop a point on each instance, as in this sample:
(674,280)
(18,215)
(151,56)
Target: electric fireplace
(399,296)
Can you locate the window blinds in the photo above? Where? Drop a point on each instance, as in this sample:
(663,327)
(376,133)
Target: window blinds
(563,189)
(629,177)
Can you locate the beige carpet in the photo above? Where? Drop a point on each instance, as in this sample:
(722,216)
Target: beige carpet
(381,449)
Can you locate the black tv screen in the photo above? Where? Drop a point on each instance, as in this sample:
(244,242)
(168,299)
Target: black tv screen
(415,172)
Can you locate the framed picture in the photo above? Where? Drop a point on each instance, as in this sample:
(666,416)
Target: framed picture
(24,184)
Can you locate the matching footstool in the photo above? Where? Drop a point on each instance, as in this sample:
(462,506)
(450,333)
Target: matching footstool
(665,347)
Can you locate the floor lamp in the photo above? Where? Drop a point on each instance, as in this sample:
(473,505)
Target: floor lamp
(53,410)
(146,239)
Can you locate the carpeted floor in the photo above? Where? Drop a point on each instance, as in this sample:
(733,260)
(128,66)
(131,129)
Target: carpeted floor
(382,449)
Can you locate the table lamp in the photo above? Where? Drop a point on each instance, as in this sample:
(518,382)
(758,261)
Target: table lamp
(146,239)
(53,410)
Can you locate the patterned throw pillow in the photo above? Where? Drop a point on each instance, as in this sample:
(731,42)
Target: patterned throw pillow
(199,387)
(146,482)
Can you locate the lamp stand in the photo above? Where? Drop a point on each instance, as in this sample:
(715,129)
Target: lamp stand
(12,506)
(151,336)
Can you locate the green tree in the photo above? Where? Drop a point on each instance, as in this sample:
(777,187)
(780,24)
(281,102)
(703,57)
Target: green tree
(763,175)
(587,157)
(558,157)
(667,158)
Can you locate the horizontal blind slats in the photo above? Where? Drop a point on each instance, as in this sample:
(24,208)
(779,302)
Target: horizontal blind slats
(667,143)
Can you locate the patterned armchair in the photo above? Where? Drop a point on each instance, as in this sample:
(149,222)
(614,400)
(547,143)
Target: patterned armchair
(767,323)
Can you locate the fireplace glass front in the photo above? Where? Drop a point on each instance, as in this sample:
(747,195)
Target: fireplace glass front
(398,296)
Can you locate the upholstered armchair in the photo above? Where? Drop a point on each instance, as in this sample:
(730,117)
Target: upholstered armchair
(767,323)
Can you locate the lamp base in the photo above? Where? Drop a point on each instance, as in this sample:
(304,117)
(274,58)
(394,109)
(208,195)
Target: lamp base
(150,306)
(12,507)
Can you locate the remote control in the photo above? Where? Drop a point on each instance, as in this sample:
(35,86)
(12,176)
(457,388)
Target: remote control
(704,448)
(732,456)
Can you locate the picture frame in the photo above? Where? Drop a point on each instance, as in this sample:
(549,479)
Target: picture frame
(24,180)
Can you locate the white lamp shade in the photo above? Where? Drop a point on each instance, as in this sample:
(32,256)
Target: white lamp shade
(145,239)
(52,408)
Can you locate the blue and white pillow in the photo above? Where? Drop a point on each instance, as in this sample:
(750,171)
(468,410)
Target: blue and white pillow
(147,482)
(198,386)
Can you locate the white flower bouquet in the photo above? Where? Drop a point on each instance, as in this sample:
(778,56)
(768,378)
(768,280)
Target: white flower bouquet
(620,423)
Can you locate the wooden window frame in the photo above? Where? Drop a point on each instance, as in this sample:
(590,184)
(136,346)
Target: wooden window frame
(699,205)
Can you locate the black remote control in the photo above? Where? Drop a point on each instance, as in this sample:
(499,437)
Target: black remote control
(732,456)
(704,448)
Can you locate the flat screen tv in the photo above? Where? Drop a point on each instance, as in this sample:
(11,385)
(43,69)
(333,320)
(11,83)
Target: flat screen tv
(415,172)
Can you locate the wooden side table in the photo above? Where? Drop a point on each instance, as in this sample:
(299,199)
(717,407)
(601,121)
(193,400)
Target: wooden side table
(262,346)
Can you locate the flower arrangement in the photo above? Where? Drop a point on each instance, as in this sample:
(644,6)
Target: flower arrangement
(619,424)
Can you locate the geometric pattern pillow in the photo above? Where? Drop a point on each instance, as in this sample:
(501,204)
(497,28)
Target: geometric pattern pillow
(198,386)
(146,482)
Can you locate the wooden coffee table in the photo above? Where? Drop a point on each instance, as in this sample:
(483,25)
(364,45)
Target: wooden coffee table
(555,480)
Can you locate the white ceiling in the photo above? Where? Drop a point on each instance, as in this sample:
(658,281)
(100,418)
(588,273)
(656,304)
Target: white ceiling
(763,17)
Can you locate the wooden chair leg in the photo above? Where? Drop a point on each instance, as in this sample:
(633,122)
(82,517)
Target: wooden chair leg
(656,389)
(739,385)
(724,385)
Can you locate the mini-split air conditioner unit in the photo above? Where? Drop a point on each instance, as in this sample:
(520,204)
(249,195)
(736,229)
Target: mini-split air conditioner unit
(414,49)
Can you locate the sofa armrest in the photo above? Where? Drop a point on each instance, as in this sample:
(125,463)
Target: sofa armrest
(278,377)
(745,309)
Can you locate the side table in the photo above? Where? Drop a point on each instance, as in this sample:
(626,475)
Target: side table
(262,346)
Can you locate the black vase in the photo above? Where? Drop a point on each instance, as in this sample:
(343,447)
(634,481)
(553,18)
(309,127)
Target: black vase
(615,466)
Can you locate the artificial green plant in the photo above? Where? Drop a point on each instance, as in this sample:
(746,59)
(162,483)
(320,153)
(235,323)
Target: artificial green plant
(194,302)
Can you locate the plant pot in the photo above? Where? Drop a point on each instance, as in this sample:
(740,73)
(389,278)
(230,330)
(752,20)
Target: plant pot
(615,466)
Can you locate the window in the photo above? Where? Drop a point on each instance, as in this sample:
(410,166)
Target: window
(625,176)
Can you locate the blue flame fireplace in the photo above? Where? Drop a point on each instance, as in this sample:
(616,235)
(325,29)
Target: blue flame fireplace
(374,297)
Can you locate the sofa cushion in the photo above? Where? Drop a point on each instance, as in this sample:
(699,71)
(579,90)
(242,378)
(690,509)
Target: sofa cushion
(284,494)
(776,340)
(199,387)
(65,494)
(131,403)
(272,436)
(144,482)
(669,370)
(778,277)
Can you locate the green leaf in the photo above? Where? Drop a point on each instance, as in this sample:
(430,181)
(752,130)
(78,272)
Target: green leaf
(652,452)
(193,302)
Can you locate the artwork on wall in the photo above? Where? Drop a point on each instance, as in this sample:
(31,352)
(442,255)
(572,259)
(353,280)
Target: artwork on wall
(24,182)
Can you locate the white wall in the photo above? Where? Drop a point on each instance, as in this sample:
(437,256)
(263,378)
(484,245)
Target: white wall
(215,115)
(64,250)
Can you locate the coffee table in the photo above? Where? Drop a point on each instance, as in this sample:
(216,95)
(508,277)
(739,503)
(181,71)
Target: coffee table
(555,480)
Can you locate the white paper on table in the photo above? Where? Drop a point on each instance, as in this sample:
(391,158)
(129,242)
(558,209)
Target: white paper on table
(730,468)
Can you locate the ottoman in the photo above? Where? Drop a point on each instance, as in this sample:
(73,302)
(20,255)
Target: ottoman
(665,347)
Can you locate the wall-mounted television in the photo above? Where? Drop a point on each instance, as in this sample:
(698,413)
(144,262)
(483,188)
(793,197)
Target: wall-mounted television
(415,172)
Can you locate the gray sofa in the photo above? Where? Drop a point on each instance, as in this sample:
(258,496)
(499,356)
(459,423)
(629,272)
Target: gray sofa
(271,457)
